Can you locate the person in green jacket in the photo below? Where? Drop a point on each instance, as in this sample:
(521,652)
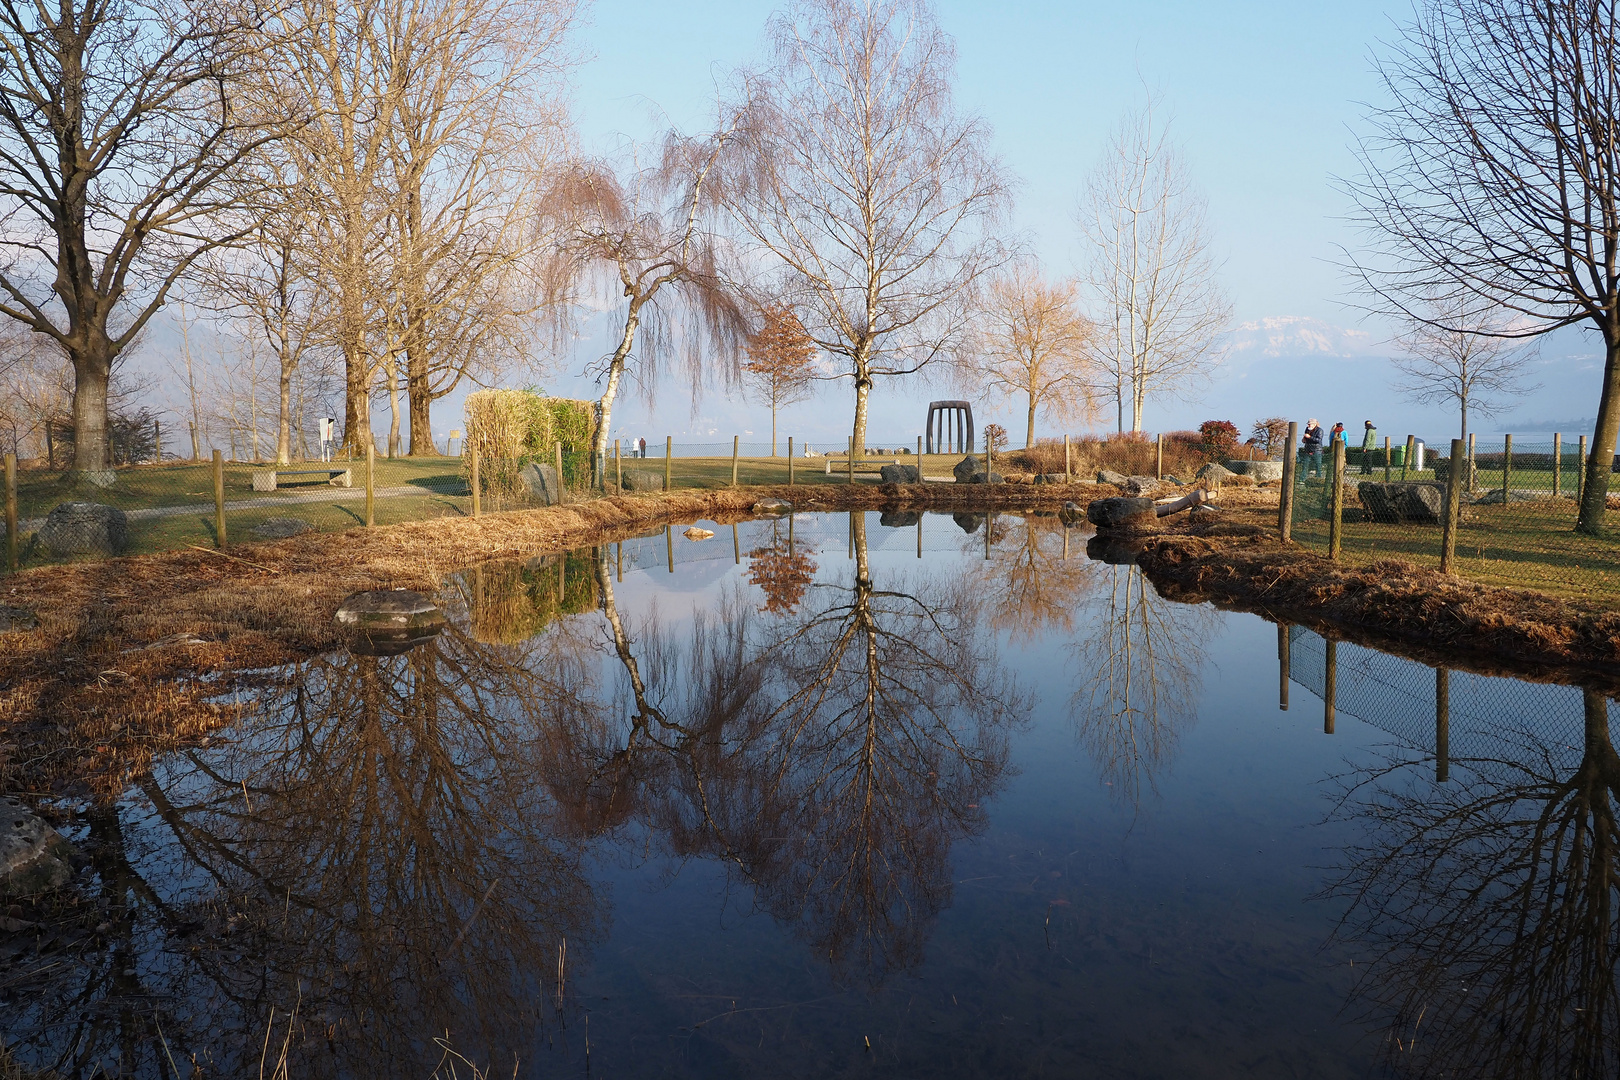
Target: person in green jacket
(1369,442)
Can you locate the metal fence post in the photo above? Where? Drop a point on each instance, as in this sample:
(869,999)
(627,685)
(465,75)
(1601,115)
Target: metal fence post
(219,498)
(562,485)
(11,511)
(478,507)
(371,485)
(1336,504)
(1580,473)
(1448,535)
(1558,461)
(669,451)
(736,442)
(1285,500)
(790,461)
(1507,469)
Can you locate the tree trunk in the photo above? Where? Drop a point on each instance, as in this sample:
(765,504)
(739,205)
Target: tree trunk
(92,370)
(773,429)
(604,406)
(1600,466)
(421,401)
(1029,434)
(863,389)
(392,372)
(356,400)
(284,411)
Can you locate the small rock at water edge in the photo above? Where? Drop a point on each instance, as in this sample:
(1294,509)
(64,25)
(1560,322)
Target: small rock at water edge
(773,506)
(280,528)
(33,856)
(389,610)
(695,533)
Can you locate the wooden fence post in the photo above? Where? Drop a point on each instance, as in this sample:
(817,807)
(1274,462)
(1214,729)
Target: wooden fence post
(1387,465)
(790,461)
(919,459)
(562,485)
(1507,469)
(736,443)
(618,468)
(1068,468)
(1472,437)
(477,496)
(11,511)
(371,485)
(1580,472)
(1558,461)
(219,498)
(1158,468)
(669,452)
(1407,463)
(1448,535)
(1336,502)
(1285,500)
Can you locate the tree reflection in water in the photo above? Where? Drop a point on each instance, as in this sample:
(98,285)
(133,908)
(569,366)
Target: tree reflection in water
(1140,660)
(1489,903)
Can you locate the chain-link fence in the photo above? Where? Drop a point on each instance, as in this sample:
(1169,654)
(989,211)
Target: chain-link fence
(1516,515)
(64,515)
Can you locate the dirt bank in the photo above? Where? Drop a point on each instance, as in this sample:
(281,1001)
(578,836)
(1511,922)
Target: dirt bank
(128,651)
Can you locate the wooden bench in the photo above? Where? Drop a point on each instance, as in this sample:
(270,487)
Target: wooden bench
(265,479)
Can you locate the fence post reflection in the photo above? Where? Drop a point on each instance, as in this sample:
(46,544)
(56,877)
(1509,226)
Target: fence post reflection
(1284,662)
(1330,687)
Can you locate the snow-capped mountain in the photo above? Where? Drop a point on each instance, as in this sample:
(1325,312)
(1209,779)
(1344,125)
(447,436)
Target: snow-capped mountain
(1300,336)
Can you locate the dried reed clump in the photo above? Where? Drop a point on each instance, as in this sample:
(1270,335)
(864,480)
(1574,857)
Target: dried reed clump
(1131,453)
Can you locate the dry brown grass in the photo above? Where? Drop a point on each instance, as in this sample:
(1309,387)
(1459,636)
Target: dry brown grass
(112,676)
(1132,454)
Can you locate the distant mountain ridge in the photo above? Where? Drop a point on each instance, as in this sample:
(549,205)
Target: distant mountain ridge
(1301,336)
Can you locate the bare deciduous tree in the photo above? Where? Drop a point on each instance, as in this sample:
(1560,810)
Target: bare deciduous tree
(1453,357)
(1151,270)
(1033,341)
(650,237)
(1490,180)
(119,137)
(781,365)
(875,199)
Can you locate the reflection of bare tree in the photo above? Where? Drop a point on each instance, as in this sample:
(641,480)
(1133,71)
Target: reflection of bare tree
(879,731)
(1490,905)
(1140,677)
(781,571)
(1034,583)
(373,850)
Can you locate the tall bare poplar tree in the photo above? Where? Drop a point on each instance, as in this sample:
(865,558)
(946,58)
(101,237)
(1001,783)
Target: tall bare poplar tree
(119,138)
(875,199)
(1491,180)
(1149,266)
(1033,342)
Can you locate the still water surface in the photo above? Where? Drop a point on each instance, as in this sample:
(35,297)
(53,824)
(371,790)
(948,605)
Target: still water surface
(815,805)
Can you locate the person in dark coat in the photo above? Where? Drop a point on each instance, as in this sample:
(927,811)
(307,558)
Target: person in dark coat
(1311,447)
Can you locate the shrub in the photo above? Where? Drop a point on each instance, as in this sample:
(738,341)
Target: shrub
(1132,453)
(1271,433)
(511,428)
(1219,438)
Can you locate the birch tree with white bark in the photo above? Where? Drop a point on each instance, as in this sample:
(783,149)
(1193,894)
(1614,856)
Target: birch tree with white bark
(877,205)
(1151,271)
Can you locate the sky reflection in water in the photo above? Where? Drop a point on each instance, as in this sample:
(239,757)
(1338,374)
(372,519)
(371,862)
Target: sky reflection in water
(806,804)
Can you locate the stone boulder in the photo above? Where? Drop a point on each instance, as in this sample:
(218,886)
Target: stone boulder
(963,470)
(85,528)
(388,609)
(279,528)
(1050,478)
(1495,497)
(1264,472)
(641,480)
(1106,476)
(772,507)
(1072,514)
(987,478)
(1403,503)
(1123,514)
(1141,485)
(899,519)
(1172,480)
(33,856)
(540,482)
(898,474)
(1213,475)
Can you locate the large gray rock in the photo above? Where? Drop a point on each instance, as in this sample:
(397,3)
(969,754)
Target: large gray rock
(1051,478)
(1264,472)
(772,507)
(1141,485)
(1495,497)
(987,478)
(1403,503)
(388,609)
(1106,476)
(33,856)
(963,470)
(16,620)
(641,480)
(279,528)
(898,474)
(1214,474)
(85,528)
(1123,514)
(540,481)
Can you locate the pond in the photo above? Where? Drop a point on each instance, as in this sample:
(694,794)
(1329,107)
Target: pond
(849,795)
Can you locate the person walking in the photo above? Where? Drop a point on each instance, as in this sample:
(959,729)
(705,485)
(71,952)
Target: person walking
(1311,446)
(1369,443)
